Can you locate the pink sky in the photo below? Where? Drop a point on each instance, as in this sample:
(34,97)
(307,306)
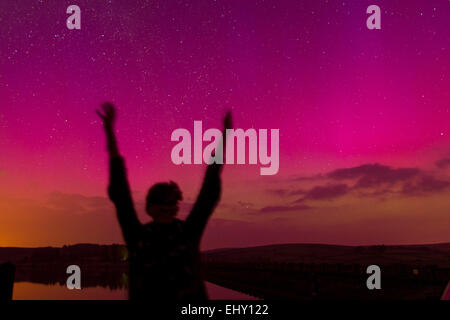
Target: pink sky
(342,96)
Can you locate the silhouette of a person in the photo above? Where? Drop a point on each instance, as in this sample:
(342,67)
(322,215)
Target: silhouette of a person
(164,254)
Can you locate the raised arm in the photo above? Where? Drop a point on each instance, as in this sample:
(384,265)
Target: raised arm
(109,117)
(209,195)
(118,189)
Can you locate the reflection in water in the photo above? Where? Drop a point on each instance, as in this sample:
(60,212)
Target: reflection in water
(100,281)
(39,291)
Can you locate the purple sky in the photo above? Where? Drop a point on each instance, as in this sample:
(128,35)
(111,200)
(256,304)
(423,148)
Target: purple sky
(342,96)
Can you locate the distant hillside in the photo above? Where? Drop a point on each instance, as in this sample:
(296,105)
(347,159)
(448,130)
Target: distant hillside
(13,254)
(320,271)
(418,255)
(72,253)
(281,271)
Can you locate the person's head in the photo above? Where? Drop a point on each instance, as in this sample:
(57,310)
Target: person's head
(162,201)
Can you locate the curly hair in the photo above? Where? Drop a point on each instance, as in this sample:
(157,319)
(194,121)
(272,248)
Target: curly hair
(167,193)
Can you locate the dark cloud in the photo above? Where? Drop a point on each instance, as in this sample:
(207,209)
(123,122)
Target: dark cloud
(380,193)
(298,192)
(371,180)
(279,192)
(327,192)
(275,209)
(443,163)
(424,185)
(374,175)
(381,179)
(287,192)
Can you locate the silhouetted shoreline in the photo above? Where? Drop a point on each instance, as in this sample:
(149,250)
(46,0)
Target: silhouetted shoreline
(281,271)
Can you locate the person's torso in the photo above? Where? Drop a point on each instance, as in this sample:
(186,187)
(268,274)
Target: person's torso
(165,263)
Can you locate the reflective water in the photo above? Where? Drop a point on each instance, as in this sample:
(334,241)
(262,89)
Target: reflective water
(38,291)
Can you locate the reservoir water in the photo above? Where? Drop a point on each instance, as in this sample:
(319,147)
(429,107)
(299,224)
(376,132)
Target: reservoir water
(39,291)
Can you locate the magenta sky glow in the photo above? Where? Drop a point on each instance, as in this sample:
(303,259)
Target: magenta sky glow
(342,96)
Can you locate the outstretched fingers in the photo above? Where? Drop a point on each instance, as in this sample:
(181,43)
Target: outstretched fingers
(100,114)
(107,113)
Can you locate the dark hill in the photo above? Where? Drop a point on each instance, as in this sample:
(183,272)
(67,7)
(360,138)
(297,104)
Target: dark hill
(418,255)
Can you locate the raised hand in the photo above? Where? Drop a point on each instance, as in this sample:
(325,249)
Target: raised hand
(227,124)
(108,114)
(228,121)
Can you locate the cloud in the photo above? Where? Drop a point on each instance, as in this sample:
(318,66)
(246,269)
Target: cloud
(374,175)
(443,163)
(298,192)
(276,209)
(286,192)
(279,192)
(369,180)
(424,185)
(327,192)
